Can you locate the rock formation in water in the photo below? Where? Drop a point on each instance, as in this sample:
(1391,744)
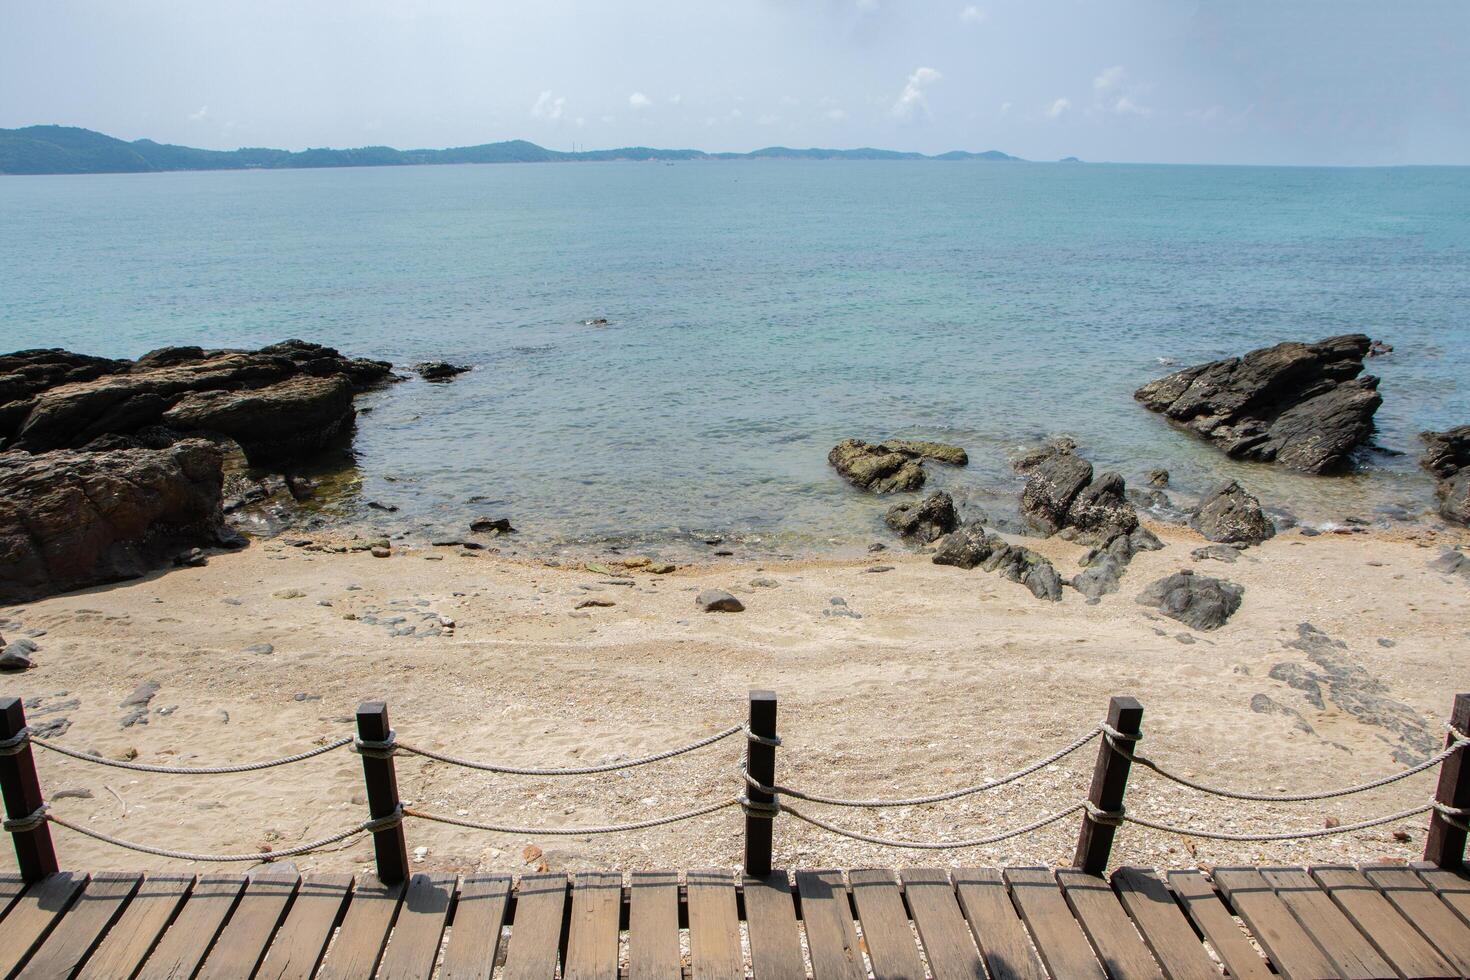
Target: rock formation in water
(926,521)
(71,519)
(1230,514)
(1305,406)
(1447,456)
(1061,492)
(892,466)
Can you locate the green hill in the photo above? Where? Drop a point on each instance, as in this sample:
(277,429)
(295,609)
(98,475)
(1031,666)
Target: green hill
(71,150)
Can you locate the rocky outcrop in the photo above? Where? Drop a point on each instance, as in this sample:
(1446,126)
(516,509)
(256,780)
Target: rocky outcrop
(72,519)
(1061,492)
(1302,405)
(1447,456)
(927,520)
(1198,601)
(1103,566)
(1230,514)
(282,401)
(439,370)
(890,467)
(970,546)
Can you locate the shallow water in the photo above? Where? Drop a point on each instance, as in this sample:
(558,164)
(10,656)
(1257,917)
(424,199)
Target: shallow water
(760,312)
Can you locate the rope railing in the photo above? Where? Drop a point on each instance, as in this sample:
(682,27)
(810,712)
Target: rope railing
(763,798)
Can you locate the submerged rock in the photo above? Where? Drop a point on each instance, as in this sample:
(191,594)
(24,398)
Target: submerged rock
(1054,483)
(439,370)
(73,519)
(889,467)
(927,520)
(1229,513)
(1195,600)
(1302,405)
(492,525)
(1061,493)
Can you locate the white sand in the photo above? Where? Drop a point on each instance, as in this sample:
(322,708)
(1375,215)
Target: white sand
(948,678)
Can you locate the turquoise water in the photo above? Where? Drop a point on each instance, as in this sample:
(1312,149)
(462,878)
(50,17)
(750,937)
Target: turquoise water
(760,312)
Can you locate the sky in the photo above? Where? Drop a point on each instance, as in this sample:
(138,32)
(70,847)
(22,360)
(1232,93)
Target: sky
(1349,82)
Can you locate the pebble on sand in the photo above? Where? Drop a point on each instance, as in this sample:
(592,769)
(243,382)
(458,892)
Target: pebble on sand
(718,600)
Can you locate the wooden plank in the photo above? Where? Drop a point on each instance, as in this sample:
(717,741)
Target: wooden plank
(1167,932)
(243,941)
(653,926)
(32,917)
(187,940)
(414,947)
(775,943)
(1452,888)
(1214,920)
(999,932)
(942,928)
(1339,938)
(1417,902)
(887,932)
(536,933)
(364,932)
(592,934)
(714,927)
(102,900)
(133,936)
(303,937)
(479,917)
(1290,947)
(831,938)
(1118,945)
(11,885)
(1389,932)
(1059,939)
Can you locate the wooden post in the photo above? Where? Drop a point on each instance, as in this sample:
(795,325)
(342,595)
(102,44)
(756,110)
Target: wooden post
(761,764)
(21,789)
(1109,779)
(382,792)
(1446,844)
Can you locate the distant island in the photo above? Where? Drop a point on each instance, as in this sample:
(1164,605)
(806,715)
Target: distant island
(72,150)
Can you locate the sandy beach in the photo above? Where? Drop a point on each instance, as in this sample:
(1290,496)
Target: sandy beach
(907,681)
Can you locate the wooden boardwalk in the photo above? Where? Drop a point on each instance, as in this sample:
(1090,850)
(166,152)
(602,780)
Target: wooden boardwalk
(1335,921)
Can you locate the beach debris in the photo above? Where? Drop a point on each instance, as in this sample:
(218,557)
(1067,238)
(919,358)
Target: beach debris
(595,602)
(1229,513)
(439,371)
(1447,456)
(1302,405)
(891,466)
(1198,601)
(491,525)
(718,600)
(926,520)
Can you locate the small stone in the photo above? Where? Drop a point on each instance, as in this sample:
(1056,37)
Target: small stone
(419,853)
(718,600)
(764,583)
(491,525)
(232,601)
(381,552)
(636,562)
(878,568)
(877,546)
(14,659)
(1385,642)
(72,794)
(141,695)
(260,648)
(1402,836)
(595,603)
(1331,822)
(660,568)
(289,594)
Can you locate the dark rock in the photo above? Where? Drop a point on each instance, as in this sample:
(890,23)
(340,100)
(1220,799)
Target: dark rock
(1454,497)
(1216,552)
(387,509)
(969,545)
(1142,539)
(718,600)
(439,370)
(73,519)
(1098,580)
(141,696)
(1301,405)
(1158,478)
(927,520)
(1380,348)
(965,547)
(1195,600)
(889,467)
(1054,483)
(1264,704)
(289,420)
(1100,508)
(12,658)
(491,525)
(1446,453)
(193,558)
(1229,513)
(1042,579)
(875,569)
(1452,562)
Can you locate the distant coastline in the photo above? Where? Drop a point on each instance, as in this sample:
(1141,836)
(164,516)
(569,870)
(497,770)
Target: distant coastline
(36,150)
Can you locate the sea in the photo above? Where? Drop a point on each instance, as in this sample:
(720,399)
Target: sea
(758,312)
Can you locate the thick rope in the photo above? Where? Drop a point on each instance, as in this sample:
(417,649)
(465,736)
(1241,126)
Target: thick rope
(1458,743)
(935,845)
(1453,816)
(579,771)
(1283,835)
(571,831)
(362,828)
(20,825)
(953,794)
(16,743)
(198,770)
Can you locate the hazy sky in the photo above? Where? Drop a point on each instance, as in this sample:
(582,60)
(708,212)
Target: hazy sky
(1246,81)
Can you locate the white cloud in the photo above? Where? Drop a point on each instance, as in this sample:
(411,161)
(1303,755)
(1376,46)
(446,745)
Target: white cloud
(549,106)
(675,99)
(911,101)
(1108,78)
(836,115)
(1058,107)
(199,116)
(1125,106)
(639,101)
(973,15)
